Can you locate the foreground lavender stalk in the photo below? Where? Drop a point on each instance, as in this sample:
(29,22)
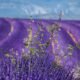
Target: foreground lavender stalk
(33,68)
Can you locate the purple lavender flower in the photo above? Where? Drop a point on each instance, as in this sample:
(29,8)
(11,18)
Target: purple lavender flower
(32,50)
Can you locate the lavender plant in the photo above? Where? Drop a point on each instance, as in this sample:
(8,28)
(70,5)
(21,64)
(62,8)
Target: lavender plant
(37,58)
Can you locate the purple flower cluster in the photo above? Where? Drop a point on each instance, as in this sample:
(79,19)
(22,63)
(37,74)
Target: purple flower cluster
(39,50)
(33,67)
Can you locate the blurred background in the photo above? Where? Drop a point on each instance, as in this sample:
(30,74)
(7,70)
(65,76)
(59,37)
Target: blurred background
(47,9)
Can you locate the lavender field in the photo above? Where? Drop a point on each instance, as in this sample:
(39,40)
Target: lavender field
(39,49)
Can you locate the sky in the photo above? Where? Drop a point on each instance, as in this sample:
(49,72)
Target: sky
(50,9)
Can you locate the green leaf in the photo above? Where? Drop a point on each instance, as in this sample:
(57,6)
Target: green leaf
(32,50)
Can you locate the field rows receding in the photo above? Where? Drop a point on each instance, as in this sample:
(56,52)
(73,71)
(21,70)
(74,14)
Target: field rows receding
(46,49)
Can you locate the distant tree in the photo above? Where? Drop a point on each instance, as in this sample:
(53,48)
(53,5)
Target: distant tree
(61,14)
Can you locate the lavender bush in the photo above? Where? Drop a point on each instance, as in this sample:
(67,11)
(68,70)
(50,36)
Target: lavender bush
(38,50)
